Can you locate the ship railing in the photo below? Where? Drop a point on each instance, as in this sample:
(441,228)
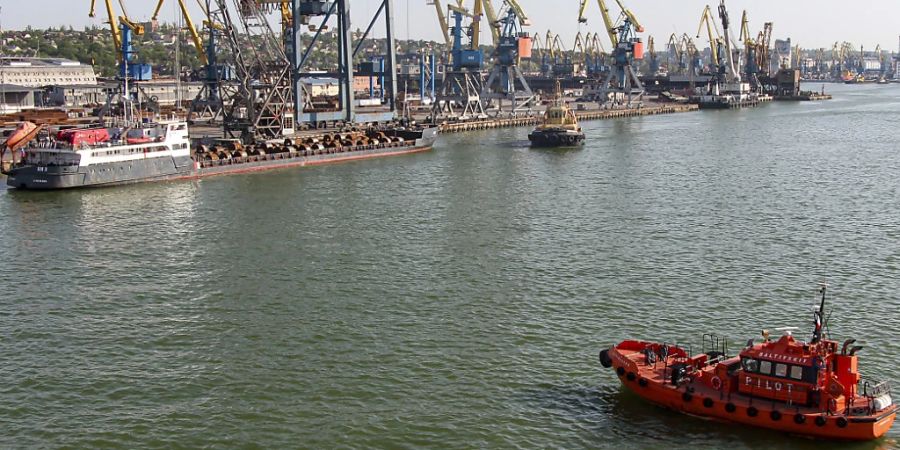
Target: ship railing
(715,348)
(872,389)
(665,352)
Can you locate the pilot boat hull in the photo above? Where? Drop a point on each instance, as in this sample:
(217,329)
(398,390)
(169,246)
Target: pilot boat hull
(647,371)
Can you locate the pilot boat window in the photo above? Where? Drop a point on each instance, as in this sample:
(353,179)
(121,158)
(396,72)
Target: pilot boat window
(750,365)
(796,372)
(780,370)
(765,367)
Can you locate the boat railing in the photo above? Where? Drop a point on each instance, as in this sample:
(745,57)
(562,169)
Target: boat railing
(715,348)
(665,352)
(872,389)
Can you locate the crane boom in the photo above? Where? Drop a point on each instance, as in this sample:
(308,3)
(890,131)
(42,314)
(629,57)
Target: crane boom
(631,17)
(158,8)
(710,26)
(491,14)
(113,23)
(608,22)
(729,58)
(520,13)
(442,19)
(195,36)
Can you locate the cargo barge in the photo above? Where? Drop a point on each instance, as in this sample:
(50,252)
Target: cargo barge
(162,151)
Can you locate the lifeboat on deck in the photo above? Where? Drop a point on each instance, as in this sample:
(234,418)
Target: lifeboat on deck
(24,133)
(806,388)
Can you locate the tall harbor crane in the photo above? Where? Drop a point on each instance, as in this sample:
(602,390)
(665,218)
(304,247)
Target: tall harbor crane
(460,95)
(751,54)
(622,82)
(511,44)
(715,39)
(653,65)
(731,73)
(675,55)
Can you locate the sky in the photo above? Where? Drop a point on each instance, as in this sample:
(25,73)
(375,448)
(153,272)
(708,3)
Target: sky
(809,23)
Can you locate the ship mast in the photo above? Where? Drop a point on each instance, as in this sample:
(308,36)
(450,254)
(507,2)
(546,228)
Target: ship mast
(819,317)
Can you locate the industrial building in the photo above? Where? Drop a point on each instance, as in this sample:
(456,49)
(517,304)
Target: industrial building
(40,72)
(15,98)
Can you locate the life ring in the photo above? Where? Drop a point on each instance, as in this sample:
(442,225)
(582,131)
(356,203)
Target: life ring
(716,383)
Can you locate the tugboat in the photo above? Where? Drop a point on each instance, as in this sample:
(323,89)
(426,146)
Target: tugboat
(805,388)
(560,127)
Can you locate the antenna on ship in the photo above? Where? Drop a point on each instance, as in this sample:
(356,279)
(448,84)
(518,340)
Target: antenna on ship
(819,315)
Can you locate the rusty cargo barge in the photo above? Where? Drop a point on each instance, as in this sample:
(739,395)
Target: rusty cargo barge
(582,115)
(162,151)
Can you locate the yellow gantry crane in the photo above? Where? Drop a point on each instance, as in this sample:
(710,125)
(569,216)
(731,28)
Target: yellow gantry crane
(113,22)
(714,38)
(195,36)
(611,28)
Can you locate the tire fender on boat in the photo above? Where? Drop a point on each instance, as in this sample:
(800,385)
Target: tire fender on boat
(841,422)
(605,360)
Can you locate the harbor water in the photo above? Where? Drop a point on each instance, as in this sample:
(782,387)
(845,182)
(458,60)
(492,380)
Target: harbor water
(450,299)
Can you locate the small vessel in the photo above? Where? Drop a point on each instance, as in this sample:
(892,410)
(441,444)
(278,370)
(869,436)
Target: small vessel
(85,157)
(559,128)
(806,388)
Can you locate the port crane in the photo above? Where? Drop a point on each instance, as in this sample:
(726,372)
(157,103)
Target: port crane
(653,65)
(734,83)
(622,82)
(715,39)
(675,55)
(460,95)
(511,44)
(751,53)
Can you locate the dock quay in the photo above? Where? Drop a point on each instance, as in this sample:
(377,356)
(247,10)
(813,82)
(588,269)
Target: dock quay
(804,97)
(457,127)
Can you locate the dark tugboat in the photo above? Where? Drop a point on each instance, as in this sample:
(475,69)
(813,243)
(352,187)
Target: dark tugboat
(807,388)
(560,127)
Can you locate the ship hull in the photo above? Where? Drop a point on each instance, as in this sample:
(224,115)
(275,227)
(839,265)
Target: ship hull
(651,382)
(168,168)
(555,138)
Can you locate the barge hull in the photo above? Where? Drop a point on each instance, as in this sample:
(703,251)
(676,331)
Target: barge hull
(162,169)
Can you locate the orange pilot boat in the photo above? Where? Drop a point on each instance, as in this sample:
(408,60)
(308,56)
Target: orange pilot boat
(807,388)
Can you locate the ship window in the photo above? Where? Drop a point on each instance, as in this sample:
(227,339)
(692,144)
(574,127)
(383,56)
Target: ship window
(765,367)
(796,372)
(780,370)
(750,365)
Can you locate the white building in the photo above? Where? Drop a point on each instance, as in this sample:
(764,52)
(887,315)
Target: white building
(39,72)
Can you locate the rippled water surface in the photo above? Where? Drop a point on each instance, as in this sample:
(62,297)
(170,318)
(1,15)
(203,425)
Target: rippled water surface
(451,299)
